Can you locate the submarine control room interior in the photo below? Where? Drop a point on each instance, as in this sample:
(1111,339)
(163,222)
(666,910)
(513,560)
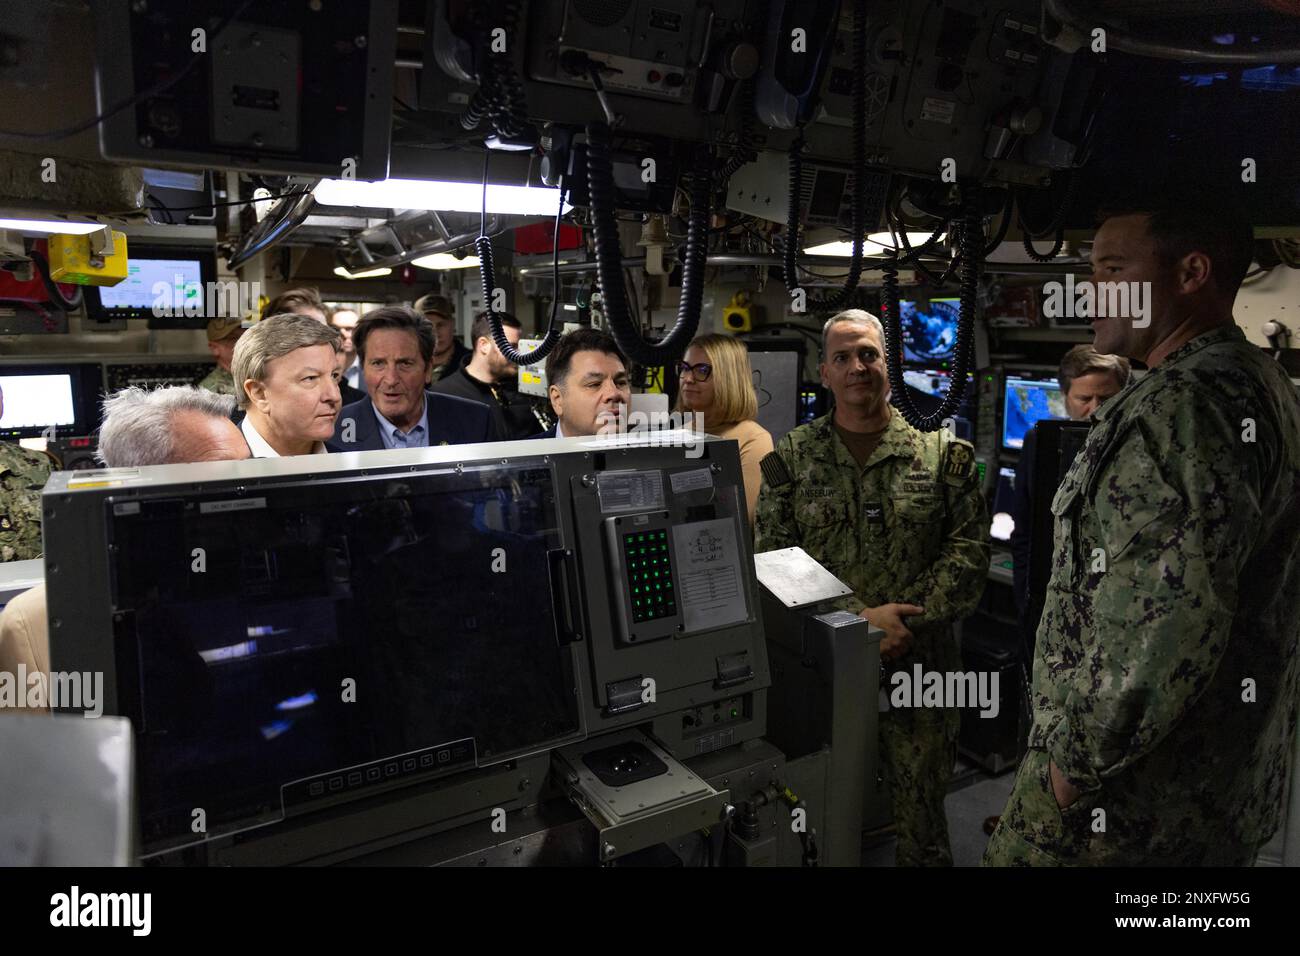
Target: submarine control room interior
(656,433)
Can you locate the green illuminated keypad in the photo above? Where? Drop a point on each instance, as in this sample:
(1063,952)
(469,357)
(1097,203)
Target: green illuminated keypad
(650,578)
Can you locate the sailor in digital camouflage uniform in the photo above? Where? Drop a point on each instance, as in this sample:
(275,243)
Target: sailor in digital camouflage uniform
(222,336)
(23,474)
(1165,676)
(897,515)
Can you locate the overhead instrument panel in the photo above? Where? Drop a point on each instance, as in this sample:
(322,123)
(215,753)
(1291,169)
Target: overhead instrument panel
(262,85)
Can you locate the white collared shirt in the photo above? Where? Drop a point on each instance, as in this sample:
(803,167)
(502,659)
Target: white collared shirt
(260,447)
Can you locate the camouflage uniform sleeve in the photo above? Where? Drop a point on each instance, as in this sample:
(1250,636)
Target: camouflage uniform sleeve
(22,476)
(951,587)
(774,524)
(1178,510)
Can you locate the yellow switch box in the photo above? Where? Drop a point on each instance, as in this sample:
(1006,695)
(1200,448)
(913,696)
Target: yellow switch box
(737,315)
(73,260)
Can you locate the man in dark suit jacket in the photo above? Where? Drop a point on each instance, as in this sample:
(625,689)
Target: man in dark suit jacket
(395,346)
(451,421)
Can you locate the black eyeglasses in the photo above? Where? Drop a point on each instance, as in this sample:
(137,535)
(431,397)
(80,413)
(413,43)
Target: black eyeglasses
(700,372)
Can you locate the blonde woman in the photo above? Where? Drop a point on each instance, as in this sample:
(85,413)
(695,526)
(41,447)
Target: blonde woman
(716,381)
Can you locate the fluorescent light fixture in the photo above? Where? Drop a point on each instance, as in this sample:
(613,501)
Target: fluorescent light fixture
(876,244)
(886,241)
(842,247)
(445,260)
(343,273)
(61,226)
(439,196)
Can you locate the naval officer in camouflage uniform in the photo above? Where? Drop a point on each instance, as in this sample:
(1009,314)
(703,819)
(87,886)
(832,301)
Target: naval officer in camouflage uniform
(23,474)
(222,336)
(1165,677)
(897,515)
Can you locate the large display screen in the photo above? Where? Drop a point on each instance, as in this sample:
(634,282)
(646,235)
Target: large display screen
(929,329)
(335,637)
(36,401)
(1026,402)
(174,284)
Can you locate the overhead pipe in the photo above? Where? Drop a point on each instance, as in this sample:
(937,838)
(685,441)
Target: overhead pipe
(772,259)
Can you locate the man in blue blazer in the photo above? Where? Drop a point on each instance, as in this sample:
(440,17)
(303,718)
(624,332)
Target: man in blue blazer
(394,346)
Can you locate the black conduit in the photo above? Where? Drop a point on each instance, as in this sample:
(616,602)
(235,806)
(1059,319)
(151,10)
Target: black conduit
(487,274)
(970,249)
(609,255)
(841,296)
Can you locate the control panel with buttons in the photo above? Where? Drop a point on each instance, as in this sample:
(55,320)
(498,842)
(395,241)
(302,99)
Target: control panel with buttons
(644,581)
(710,726)
(453,756)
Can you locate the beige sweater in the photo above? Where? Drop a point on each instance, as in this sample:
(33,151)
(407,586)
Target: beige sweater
(755,443)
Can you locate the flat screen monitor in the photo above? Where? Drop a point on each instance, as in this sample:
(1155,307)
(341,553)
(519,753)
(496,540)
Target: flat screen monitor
(929,386)
(1003,499)
(929,329)
(37,401)
(337,645)
(812,403)
(1026,402)
(167,285)
(931,381)
(49,400)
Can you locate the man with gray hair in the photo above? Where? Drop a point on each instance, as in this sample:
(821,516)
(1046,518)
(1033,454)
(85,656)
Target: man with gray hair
(168,426)
(287,380)
(897,515)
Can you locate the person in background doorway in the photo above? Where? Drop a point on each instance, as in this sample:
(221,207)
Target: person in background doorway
(487,377)
(449,353)
(222,336)
(345,320)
